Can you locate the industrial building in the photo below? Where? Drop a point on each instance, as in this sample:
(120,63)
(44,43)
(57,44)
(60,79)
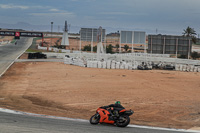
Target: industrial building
(168,44)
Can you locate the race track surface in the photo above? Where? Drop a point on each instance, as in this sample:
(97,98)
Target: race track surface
(9,52)
(18,123)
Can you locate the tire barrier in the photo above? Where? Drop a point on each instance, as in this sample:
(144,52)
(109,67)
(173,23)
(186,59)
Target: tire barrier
(37,55)
(102,64)
(129,64)
(75,61)
(187,68)
(127,58)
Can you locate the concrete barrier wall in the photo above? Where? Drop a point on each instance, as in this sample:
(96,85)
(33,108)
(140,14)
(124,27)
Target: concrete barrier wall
(126,61)
(112,64)
(123,57)
(187,68)
(75,61)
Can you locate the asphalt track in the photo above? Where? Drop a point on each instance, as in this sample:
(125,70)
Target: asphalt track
(28,123)
(9,52)
(25,123)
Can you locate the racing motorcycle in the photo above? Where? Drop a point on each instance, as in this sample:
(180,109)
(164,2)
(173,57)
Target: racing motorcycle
(104,116)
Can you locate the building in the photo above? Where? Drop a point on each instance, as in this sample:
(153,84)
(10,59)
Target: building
(168,44)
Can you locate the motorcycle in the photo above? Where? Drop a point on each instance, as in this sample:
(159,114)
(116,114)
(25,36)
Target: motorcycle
(104,116)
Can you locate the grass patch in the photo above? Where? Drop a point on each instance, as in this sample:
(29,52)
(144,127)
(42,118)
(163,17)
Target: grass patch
(34,50)
(13,41)
(38,38)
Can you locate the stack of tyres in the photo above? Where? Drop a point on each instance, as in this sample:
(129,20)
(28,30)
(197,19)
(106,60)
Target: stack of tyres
(30,56)
(117,65)
(177,67)
(113,64)
(122,65)
(99,64)
(108,64)
(126,65)
(104,64)
(195,69)
(37,55)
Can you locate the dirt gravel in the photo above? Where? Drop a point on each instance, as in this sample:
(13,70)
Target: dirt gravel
(159,98)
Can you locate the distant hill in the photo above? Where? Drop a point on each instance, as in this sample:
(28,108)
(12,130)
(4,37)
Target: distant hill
(76,29)
(30,27)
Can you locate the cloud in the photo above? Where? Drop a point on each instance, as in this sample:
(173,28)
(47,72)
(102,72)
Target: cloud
(54,14)
(54,10)
(90,0)
(84,1)
(115,13)
(4,6)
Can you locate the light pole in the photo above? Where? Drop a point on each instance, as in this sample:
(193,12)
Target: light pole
(51,31)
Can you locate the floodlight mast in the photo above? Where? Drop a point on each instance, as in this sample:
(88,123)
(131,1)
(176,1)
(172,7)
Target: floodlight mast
(99,35)
(100,49)
(92,42)
(65,38)
(120,43)
(66,28)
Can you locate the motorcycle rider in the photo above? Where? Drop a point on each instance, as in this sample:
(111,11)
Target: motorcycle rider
(116,108)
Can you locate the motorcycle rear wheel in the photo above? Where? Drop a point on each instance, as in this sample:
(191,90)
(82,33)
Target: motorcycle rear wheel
(95,119)
(123,121)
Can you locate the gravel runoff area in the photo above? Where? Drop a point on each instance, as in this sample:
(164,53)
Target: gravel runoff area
(159,98)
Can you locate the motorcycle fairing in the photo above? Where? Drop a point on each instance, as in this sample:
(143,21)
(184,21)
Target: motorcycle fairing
(122,111)
(104,116)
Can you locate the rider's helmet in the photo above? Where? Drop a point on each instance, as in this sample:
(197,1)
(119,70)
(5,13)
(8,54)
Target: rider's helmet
(117,102)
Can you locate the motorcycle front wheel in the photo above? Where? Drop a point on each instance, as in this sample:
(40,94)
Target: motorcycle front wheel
(95,119)
(123,121)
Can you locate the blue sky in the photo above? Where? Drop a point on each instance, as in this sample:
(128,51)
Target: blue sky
(167,16)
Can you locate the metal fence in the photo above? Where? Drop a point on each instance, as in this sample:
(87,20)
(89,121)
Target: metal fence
(167,44)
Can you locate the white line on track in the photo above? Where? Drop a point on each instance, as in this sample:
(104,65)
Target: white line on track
(82,120)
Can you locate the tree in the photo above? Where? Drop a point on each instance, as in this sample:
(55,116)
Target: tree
(182,56)
(59,46)
(87,48)
(95,48)
(109,48)
(194,39)
(190,32)
(126,47)
(195,55)
(117,46)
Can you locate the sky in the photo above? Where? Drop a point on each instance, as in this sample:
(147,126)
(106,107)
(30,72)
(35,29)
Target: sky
(152,16)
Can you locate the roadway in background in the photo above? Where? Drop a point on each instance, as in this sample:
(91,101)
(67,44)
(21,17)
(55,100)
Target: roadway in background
(10,52)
